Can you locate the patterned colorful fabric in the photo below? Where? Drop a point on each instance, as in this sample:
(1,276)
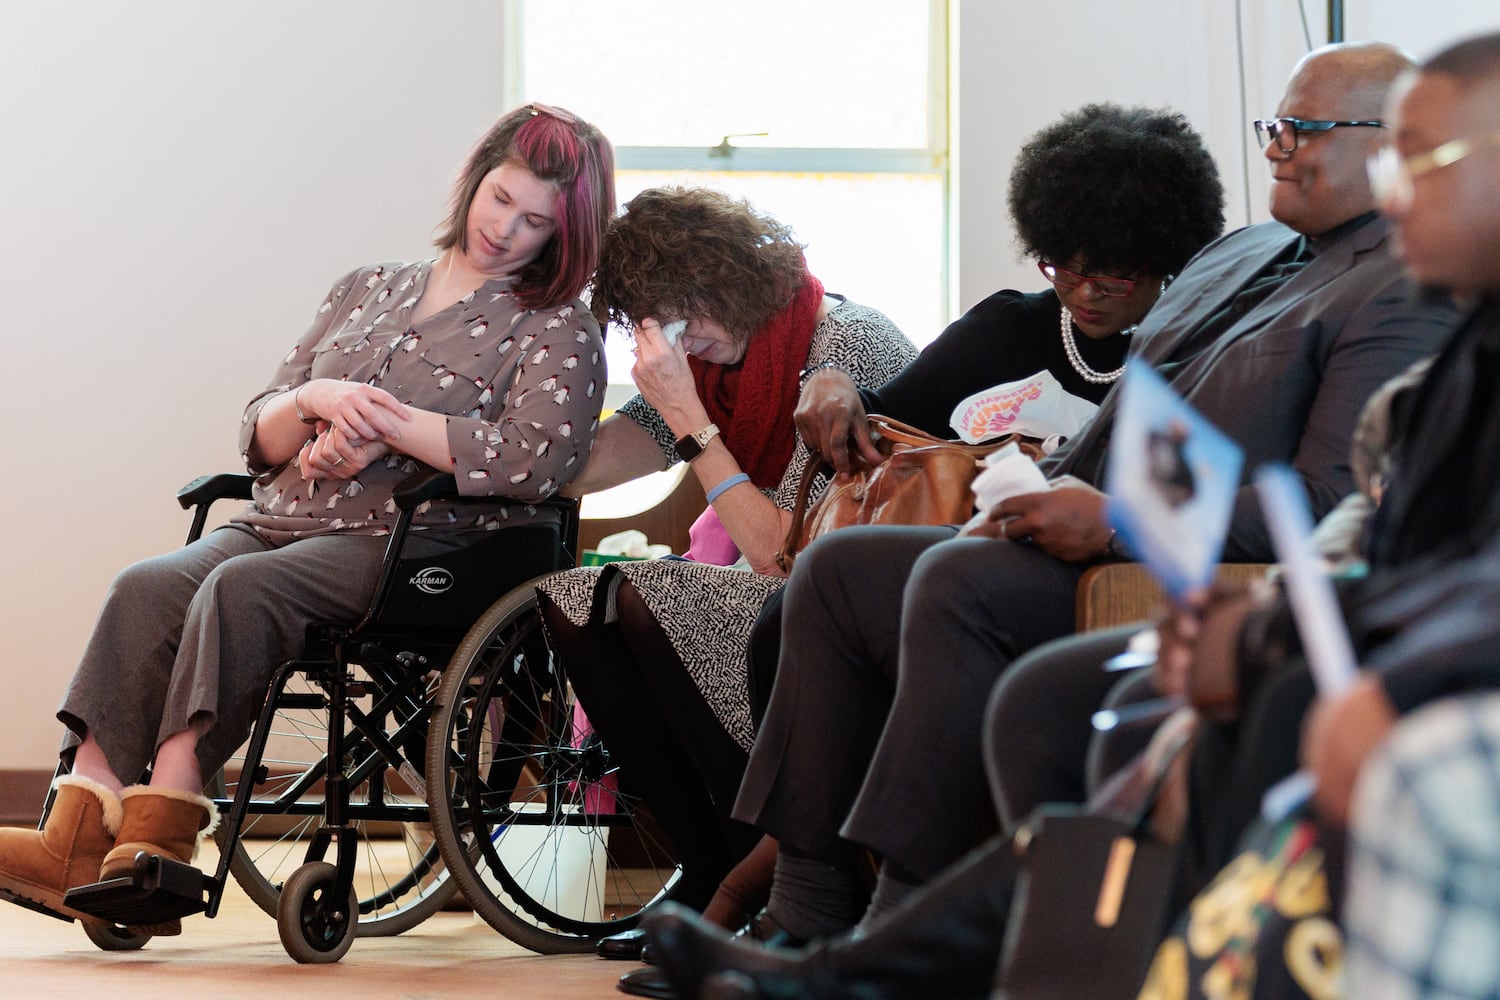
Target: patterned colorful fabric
(1423,906)
(1262,930)
(522,390)
(707,611)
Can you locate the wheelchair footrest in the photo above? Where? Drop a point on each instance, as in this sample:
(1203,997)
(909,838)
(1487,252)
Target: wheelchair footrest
(32,904)
(160,889)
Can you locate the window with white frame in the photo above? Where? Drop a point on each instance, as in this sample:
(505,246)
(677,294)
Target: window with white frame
(830,115)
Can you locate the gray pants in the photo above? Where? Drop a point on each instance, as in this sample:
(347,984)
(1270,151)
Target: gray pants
(892,638)
(192,637)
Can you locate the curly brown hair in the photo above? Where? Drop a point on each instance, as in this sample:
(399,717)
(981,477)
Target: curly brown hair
(694,252)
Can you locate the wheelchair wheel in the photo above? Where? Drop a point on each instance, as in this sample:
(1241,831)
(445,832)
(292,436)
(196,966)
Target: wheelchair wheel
(316,927)
(399,878)
(532,817)
(114,937)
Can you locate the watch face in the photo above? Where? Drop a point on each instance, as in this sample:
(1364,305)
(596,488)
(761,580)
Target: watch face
(691,446)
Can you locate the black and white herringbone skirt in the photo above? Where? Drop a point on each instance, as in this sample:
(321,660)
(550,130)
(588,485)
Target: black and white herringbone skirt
(705,611)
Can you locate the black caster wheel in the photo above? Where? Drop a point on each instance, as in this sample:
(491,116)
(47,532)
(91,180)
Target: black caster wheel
(314,926)
(114,937)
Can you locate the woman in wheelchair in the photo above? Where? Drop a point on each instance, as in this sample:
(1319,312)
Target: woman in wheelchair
(718,395)
(482,362)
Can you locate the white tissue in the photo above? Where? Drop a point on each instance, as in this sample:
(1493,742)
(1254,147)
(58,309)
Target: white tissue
(631,543)
(1008,472)
(673,330)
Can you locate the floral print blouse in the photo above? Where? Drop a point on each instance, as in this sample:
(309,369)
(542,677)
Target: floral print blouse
(522,390)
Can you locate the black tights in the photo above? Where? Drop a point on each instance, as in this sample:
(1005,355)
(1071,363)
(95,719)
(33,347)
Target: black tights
(671,748)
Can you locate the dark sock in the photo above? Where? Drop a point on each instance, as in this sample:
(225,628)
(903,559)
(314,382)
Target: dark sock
(893,886)
(744,891)
(811,898)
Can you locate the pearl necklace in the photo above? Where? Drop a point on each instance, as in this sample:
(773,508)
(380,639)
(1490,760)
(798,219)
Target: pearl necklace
(1076,360)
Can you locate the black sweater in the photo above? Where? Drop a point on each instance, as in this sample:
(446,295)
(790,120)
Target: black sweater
(1006,337)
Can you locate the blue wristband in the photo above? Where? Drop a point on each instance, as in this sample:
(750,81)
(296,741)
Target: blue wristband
(732,481)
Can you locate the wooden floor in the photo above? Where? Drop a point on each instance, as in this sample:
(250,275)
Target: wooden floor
(237,955)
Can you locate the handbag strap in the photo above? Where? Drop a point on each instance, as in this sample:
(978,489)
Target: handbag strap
(1132,792)
(784,555)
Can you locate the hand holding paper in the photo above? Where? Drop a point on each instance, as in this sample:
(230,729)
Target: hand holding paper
(1172,482)
(1008,472)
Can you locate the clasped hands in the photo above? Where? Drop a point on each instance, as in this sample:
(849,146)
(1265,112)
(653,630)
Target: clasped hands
(357,424)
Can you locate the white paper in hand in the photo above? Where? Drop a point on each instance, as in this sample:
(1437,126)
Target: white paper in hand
(1330,655)
(1008,472)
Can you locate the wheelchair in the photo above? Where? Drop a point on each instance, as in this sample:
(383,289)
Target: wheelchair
(432,747)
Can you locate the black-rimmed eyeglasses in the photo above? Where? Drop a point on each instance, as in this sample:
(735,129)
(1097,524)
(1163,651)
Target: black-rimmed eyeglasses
(1284,131)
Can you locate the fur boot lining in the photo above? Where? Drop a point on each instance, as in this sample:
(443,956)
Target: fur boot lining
(181,796)
(113,810)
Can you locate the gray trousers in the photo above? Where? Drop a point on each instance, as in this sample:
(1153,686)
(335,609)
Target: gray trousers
(1040,746)
(192,637)
(892,639)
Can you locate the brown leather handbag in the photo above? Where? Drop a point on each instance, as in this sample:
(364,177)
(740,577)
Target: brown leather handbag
(924,480)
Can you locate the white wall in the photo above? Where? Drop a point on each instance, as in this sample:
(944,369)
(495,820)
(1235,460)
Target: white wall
(181,181)
(1021,65)
(180,184)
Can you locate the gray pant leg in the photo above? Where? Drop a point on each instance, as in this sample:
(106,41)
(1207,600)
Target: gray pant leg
(840,632)
(208,656)
(249,617)
(116,692)
(972,606)
(1039,722)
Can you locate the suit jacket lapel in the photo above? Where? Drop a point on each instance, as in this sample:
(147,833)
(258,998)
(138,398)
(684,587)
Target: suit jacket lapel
(1199,298)
(1298,296)
(1192,301)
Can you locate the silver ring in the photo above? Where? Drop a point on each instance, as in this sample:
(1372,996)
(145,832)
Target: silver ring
(1005,528)
(339,461)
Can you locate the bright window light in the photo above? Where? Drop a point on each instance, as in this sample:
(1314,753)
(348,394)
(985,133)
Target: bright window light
(852,105)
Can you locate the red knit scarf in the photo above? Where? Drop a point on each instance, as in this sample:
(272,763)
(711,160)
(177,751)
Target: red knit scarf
(752,401)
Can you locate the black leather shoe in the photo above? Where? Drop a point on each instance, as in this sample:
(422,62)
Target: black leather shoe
(700,960)
(647,981)
(624,945)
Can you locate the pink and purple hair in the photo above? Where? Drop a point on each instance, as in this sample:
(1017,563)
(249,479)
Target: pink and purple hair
(569,153)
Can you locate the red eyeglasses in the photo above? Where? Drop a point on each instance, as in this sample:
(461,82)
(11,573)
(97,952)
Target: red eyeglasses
(1104,284)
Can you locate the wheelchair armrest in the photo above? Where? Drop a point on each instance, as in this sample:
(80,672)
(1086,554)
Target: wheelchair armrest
(206,489)
(424,485)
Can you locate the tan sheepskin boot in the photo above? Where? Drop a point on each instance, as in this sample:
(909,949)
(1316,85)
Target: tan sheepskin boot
(42,865)
(160,821)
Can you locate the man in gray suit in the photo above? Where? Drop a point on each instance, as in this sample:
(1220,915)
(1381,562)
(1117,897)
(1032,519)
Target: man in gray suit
(893,637)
